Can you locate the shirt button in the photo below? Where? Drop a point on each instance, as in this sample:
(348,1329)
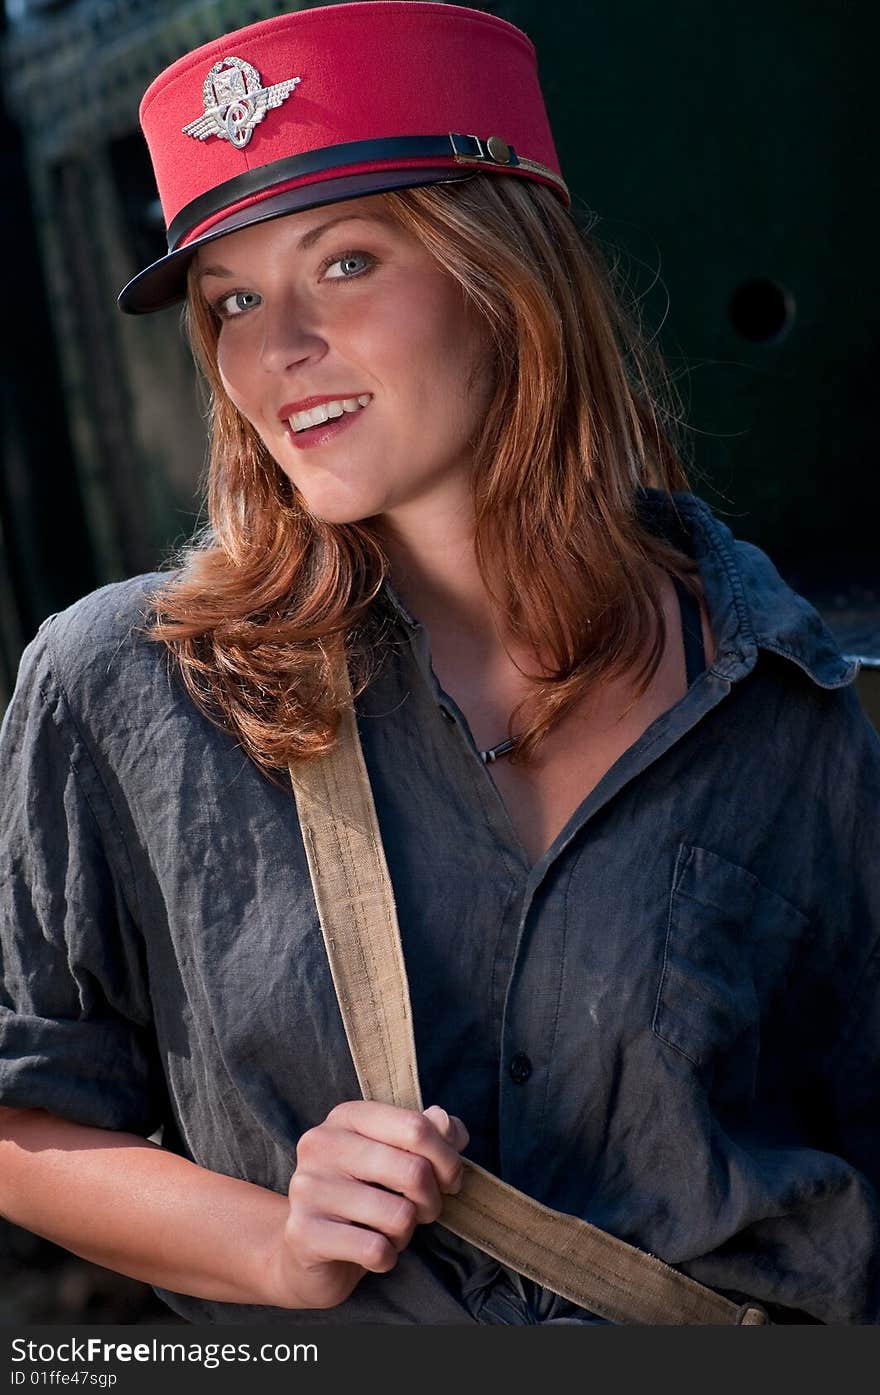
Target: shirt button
(520,1068)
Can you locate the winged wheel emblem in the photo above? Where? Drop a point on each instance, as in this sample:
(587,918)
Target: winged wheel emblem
(236,101)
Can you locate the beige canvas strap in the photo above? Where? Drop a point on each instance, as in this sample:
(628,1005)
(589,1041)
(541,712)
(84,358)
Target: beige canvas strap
(358,919)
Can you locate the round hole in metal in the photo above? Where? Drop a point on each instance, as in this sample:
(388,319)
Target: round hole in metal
(761,310)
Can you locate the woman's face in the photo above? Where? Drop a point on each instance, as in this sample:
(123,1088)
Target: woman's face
(340,308)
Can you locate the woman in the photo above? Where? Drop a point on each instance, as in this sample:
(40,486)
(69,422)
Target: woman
(621,778)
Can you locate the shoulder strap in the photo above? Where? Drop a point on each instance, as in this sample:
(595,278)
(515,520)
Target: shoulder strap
(358,919)
(691,632)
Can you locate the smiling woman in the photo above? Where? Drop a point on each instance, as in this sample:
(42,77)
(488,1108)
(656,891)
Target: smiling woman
(454,607)
(448,312)
(379,322)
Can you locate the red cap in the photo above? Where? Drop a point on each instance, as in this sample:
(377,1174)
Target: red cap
(332,103)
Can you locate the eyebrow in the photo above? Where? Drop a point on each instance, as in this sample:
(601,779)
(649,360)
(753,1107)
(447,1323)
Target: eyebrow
(306,241)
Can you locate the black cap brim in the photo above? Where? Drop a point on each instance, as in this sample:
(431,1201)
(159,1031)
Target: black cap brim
(164,282)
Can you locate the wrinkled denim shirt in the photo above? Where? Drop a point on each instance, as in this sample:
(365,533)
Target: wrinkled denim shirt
(668,1025)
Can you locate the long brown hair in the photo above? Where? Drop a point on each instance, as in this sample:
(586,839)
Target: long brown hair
(268,598)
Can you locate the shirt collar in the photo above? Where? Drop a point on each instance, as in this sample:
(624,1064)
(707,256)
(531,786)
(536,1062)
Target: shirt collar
(397,606)
(750,606)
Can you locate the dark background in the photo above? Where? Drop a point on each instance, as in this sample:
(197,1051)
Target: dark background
(725,154)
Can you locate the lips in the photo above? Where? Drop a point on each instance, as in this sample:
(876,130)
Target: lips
(303,404)
(318,425)
(312,411)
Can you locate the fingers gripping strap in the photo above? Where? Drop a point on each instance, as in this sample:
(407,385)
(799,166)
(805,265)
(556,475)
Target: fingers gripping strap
(358,918)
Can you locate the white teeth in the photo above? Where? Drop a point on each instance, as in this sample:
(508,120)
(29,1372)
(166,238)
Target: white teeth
(327,411)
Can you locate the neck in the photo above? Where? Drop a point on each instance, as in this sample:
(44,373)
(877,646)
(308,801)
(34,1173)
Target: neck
(434,571)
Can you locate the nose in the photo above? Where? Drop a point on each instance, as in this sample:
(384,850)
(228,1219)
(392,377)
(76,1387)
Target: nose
(290,336)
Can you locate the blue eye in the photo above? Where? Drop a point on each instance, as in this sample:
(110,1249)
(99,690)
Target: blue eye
(352,264)
(236,304)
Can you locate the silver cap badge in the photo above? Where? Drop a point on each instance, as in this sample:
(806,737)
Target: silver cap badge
(236,101)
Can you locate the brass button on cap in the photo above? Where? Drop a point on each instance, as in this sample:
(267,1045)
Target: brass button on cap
(498,150)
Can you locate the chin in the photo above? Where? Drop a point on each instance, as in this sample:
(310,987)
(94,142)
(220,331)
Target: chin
(335,510)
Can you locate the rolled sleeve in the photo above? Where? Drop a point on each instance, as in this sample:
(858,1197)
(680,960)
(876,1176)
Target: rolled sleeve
(76,1034)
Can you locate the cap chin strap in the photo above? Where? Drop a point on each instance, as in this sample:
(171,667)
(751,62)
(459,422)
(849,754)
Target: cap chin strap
(491,152)
(358,918)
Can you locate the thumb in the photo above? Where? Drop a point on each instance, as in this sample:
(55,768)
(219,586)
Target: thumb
(449,1126)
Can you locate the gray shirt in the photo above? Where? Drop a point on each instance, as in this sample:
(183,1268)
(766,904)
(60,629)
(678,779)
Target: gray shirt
(668,1025)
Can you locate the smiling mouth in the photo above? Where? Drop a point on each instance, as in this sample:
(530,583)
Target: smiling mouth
(327,411)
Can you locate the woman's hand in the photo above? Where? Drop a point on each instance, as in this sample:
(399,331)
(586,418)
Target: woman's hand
(364,1180)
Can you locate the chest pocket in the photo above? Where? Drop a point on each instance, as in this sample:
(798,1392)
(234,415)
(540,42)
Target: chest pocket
(731,948)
